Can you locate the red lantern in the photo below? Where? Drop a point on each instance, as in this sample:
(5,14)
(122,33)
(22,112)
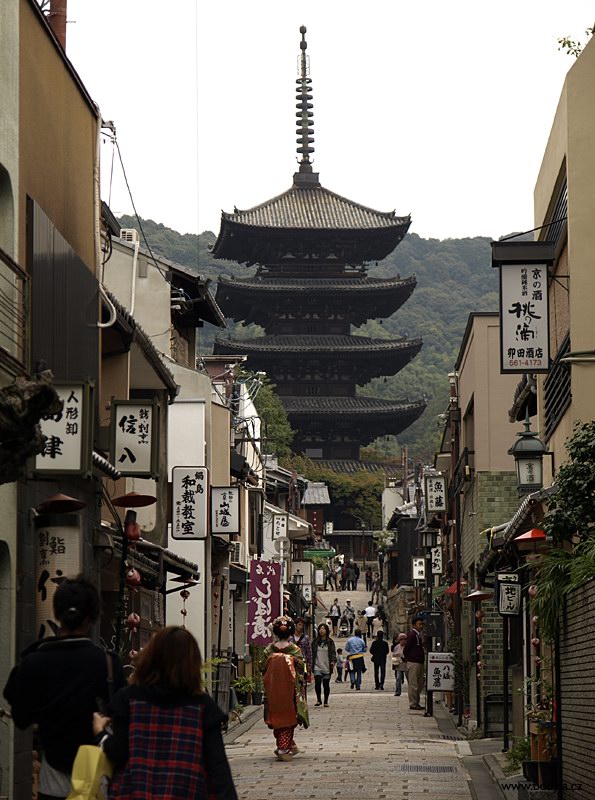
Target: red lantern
(479,614)
(535,641)
(479,631)
(532,590)
(133,577)
(132,531)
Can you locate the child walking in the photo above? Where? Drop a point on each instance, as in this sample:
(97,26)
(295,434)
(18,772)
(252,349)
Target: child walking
(340,665)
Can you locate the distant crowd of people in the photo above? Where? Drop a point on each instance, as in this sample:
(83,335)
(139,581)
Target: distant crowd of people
(344,576)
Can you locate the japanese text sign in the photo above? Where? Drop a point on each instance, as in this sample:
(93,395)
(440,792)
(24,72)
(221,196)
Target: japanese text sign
(441,672)
(279,525)
(509,594)
(225,509)
(57,555)
(436,553)
(524,318)
(66,433)
(190,502)
(134,437)
(435,491)
(419,569)
(264,600)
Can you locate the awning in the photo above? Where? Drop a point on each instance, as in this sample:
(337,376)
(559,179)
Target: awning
(320,553)
(438,591)
(297,528)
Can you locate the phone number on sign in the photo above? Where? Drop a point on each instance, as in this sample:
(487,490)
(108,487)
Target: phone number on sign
(525,362)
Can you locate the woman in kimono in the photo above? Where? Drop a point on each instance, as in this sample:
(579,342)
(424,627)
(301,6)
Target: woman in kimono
(284,679)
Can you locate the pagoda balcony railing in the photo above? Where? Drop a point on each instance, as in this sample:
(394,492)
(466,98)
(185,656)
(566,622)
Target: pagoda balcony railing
(14,313)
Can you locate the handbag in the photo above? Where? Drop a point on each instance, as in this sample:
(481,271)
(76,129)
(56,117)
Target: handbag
(302,711)
(91,773)
(395,661)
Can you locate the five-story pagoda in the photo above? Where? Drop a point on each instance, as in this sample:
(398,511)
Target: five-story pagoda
(311,247)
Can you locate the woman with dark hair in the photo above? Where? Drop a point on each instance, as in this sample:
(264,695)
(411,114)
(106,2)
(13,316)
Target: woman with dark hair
(59,682)
(302,640)
(324,658)
(166,729)
(284,674)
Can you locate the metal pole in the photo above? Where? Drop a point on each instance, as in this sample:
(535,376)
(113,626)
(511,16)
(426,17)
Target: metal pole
(429,694)
(505,744)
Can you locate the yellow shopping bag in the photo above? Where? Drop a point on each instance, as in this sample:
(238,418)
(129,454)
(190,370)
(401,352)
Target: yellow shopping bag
(91,773)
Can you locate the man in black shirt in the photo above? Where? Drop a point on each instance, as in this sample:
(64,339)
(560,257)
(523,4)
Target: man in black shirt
(379,651)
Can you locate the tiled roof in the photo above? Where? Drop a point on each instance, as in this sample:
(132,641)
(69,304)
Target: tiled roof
(315,344)
(316,208)
(366,406)
(306,284)
(316,494)
(351,466)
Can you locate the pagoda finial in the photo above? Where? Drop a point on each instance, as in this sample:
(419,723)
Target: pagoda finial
(305,117)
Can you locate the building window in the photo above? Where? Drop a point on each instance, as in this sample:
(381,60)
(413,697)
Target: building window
(556,390)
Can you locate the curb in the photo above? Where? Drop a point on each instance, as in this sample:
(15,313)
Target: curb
(250,717)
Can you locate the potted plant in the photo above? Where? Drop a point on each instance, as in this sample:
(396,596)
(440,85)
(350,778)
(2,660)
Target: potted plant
(243,687)
(258,662)
(542,767)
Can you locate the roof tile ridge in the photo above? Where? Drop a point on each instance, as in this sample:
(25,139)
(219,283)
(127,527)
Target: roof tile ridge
(238,211)
(387,214)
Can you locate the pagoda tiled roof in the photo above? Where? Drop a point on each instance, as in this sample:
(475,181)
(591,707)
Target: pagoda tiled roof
(315,208)
(305,284)
(350,466)
(296,343)
(366,406)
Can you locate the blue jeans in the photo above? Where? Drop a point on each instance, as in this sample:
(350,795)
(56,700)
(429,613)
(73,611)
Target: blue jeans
(356,672)
(399,680)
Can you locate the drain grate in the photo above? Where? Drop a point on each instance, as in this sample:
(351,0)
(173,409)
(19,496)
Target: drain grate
(423,768)
(452,738)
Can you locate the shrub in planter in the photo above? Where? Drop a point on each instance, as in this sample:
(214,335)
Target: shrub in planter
(243,687)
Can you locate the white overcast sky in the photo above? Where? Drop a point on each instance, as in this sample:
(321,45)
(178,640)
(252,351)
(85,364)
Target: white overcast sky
(438,109)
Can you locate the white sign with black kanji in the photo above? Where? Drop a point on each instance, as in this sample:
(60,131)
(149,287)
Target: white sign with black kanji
(190,502)
(133,426)
(225,509)
(436,498)
(64,432)
(441,672)
(418,568)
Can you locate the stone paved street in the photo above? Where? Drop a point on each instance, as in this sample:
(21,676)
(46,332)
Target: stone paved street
(367,745)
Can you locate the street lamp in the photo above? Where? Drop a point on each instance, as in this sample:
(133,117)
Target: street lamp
(428,537)
(531,542)
(297,578)
(528,452)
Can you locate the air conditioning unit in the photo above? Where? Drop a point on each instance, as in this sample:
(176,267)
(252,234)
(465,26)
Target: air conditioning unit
(237,553)
(129,235)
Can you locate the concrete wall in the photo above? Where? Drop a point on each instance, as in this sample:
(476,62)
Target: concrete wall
(9,126)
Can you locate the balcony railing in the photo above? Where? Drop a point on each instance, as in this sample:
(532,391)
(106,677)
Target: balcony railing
(14,312)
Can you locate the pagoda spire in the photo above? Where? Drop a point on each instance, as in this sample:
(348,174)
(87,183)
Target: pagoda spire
(305,119)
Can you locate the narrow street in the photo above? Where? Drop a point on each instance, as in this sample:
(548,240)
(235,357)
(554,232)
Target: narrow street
(368,744)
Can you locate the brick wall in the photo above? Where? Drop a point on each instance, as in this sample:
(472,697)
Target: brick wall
(577,666)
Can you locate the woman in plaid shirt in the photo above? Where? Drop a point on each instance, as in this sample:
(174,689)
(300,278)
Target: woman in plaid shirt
(166,741)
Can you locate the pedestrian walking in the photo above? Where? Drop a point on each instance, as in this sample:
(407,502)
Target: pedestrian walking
(343,576)
(377,624)
(369,579)
(330,578)
(355,648)
(357,573)
(350,576)
(376,588)
(166,739)
(370,612)
(302,640)
(340,665)
(398,662)
(338,573)
(285,703)
(324,658)
(349,614)
(58,683)
(335,615)
(413,653)
(379,651)
(362,623)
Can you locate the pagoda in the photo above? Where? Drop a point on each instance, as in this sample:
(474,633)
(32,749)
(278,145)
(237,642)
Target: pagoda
(311,247)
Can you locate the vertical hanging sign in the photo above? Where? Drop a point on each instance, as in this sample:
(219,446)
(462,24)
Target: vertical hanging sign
(279,525)
(190,502)
(57,555)
(225,509)
(435,486)
(418,568)
(67,447)
(264,600)
(524,318)
(436,553)
(134,438)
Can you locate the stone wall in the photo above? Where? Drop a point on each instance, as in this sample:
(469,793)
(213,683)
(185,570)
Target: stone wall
(398,603)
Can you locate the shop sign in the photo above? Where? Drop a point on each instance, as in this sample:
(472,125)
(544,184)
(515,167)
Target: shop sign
(225,509)
(524,318)
(134,435)
(67,446)
(190,502)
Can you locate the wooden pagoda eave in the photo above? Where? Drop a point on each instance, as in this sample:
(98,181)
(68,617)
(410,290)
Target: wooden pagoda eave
(366,424)
(307,346)
(250,244)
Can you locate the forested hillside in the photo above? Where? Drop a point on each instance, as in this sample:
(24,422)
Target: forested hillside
(454,278)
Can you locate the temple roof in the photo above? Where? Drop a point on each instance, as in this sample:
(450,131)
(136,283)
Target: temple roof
(347,285)
(315,208)
(351,466)
(312,344)
(367,407)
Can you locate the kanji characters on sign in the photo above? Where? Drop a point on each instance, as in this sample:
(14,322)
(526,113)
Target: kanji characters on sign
(190,493)
(264,600)
(524,315)
(64,433)
(225,509)
(436,497)
(133,426)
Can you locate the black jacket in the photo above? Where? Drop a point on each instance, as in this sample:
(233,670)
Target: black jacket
(332,652)
(56,685)
(379,651)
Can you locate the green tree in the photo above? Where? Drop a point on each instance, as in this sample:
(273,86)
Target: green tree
(277,432)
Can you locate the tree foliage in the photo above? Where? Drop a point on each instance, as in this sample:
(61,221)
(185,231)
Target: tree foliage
(277,432)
